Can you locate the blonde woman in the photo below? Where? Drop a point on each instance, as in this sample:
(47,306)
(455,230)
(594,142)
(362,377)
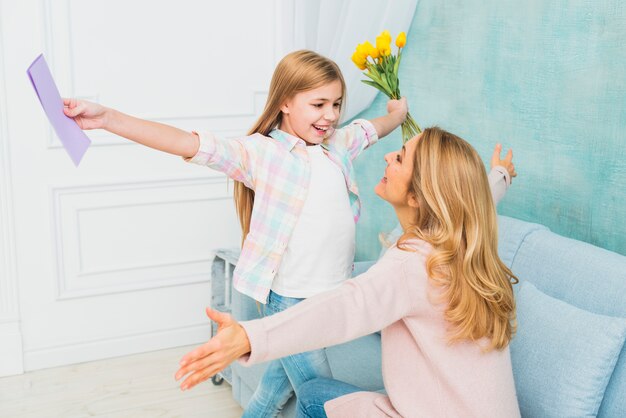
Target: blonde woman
(441,296)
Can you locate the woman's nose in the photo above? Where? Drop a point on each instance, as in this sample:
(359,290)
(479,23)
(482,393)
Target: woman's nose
(388,157)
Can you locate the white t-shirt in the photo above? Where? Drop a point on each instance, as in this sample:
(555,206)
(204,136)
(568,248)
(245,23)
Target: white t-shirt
(320,252)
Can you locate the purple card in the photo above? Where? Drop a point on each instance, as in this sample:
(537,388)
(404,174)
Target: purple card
(72,137)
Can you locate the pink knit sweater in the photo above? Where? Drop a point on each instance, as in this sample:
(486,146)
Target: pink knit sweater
(424,375)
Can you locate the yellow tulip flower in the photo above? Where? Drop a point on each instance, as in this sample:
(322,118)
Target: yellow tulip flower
(383,44)
(401,40)
(359,60)
(371,51)
(363,50)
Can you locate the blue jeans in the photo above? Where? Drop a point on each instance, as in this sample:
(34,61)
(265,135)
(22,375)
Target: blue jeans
(283,375)
(315,393)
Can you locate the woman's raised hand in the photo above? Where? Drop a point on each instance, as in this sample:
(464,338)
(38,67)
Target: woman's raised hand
(230,343)
(506,163)
(86,114)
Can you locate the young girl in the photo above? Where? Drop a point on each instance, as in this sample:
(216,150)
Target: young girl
(441,296)
(296,195)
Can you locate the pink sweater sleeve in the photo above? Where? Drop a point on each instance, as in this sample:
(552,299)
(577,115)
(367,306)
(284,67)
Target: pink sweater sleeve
(365,304)
(499,182)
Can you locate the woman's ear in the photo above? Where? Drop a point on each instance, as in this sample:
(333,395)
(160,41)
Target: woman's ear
(285,108)
(412,200)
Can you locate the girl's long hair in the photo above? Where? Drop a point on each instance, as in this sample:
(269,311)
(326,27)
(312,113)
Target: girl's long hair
(457,216)
(297,72)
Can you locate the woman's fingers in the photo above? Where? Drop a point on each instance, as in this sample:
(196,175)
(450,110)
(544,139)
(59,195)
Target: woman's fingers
(210,346)
(199,377)
(201,352)
(213,356)
(495,157)
(192,366)
(200,370)
(509,156)
(506,163)
(195,365)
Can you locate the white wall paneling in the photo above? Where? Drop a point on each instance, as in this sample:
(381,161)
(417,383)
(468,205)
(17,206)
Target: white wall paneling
(132,343)
(132,266)
(113,257)
(137,236)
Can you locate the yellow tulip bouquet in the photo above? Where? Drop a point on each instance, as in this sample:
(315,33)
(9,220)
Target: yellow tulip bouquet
(382,70)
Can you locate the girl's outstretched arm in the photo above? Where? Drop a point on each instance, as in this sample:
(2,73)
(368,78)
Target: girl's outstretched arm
(155,135)
(396,114)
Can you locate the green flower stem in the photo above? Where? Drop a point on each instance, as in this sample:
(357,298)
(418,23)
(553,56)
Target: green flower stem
(388,83)
(412,122)
(409,128)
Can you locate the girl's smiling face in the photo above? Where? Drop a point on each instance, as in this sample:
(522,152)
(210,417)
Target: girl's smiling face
(312,115)
(394,186)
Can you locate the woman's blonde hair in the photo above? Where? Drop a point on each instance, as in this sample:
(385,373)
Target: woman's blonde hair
(456,215)
(297,72)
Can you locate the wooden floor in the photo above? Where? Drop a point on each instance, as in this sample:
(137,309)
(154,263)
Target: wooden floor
(135,386)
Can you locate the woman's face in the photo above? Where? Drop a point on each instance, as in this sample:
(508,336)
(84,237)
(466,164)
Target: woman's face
(394,186)
(313,114)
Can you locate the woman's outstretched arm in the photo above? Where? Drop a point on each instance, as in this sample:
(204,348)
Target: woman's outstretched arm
(368,303)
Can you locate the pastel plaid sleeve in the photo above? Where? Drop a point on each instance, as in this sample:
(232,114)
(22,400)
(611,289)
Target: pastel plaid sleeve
(233,157)
(356,137)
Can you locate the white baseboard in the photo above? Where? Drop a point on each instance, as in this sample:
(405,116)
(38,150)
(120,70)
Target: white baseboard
(115,347)
(11,361)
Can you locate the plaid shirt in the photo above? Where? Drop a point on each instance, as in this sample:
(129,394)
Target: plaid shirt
(277,169)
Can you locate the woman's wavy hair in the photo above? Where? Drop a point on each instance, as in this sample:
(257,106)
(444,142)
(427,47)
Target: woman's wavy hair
(297,72)
(456,215)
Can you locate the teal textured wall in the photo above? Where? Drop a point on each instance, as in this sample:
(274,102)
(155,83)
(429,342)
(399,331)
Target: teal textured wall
(546,78)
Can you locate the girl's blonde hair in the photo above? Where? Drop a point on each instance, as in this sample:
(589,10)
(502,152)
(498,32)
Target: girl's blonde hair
(297,72)
(457,216)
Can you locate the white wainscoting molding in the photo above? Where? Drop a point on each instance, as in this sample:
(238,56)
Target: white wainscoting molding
(107,237)
(11,356)
(42,358)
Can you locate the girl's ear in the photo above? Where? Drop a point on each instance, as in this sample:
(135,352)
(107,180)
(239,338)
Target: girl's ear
(285,108)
